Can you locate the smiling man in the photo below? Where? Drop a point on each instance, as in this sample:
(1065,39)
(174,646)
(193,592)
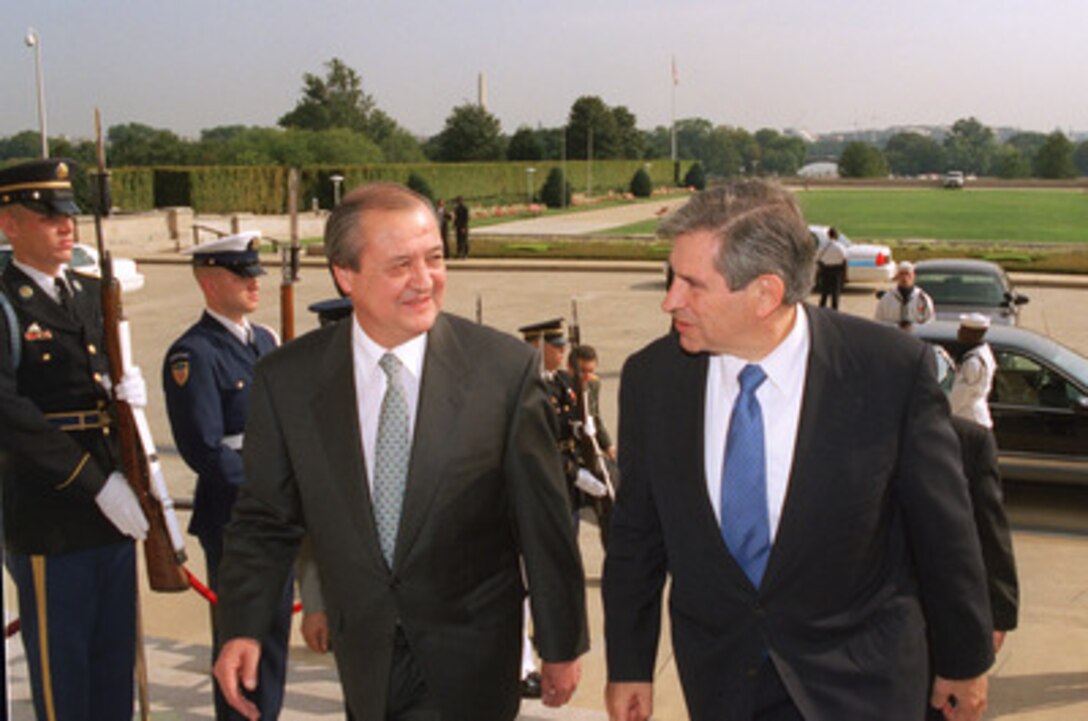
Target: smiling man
(417,451)
(794,473)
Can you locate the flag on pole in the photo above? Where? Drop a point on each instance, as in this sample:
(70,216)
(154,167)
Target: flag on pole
(675,72)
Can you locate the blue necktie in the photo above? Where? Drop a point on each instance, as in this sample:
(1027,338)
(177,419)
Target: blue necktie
(745,527)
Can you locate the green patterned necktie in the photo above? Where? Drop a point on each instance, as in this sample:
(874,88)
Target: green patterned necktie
(391,452)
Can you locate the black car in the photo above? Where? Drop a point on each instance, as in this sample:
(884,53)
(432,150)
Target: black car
(969,286)
(1039,402)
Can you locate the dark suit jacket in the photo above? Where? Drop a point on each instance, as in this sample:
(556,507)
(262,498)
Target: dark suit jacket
(875,540)
(485,489)
(979,452)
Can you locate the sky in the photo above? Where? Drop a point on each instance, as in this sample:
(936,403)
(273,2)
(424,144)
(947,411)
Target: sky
(820,66)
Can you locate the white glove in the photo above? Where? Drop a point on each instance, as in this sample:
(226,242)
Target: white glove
(131,388)
(119,504)
(589,483)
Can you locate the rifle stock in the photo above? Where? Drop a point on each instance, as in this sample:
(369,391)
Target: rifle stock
(164,551)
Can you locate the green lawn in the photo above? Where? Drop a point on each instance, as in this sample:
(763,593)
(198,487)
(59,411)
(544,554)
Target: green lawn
(1021,216)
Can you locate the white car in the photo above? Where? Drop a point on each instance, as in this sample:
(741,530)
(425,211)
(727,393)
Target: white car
(85,260)
(865,263)
(954,179)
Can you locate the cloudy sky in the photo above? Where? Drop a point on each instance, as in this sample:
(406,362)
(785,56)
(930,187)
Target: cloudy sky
(822,65)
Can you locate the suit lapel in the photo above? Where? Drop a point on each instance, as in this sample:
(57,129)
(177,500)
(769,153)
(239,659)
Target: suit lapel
(446,373)
(335,415)
(830,407)
(24,292)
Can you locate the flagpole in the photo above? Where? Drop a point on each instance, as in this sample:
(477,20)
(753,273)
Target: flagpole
(675,165)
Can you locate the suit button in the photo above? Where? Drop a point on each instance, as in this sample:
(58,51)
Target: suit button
(91,349)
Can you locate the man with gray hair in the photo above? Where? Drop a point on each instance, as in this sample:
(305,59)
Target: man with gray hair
(804,578)
(417,452)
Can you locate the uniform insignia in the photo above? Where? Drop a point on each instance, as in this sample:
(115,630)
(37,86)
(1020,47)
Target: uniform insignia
(36,332)
(26,292)
(77,285)
(179,371)
(62,171)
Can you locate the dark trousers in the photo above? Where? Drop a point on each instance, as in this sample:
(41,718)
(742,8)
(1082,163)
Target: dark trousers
(462,242)
(272,670)
(832,278)
(78,618)
(772,701)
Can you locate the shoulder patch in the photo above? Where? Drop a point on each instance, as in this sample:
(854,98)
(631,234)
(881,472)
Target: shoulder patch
(179,371)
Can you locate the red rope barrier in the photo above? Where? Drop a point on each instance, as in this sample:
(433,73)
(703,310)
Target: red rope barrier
(208,594)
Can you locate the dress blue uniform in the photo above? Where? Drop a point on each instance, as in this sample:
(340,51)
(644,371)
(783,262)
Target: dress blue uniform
(74,571)
(206,376)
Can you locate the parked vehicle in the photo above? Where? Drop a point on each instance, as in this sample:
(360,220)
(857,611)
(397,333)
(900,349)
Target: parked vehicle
(865,262)
(953,179)
(1039,402)
(85,260)
(969,286)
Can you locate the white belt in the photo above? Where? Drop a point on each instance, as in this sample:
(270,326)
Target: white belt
(233,442)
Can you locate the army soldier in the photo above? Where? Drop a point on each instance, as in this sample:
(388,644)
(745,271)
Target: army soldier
(206,377)
(70,516)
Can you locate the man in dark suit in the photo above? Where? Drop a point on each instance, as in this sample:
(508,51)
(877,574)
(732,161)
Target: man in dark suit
(417,451)
(794,472)
(206,377)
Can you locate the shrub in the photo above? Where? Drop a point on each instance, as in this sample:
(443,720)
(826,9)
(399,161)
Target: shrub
(421,186)
(556,190)
(641,185)
(696,176)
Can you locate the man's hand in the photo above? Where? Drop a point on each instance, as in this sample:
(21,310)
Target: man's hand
(629,701)
(999,640)
(960,700)
(238,661)
(119,505)
(558,681)
(315,631)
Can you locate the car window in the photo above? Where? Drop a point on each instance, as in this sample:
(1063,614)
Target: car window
(80,258)
(1021,380)
(962,288)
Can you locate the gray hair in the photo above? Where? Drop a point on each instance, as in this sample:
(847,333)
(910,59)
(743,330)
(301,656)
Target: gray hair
(760,229)
(343,239)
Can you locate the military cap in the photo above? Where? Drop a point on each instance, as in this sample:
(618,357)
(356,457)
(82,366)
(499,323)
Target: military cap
(236,253)
(44,186)
(331,310)
(550,331)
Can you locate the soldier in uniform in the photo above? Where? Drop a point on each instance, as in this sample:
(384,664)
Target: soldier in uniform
(70,516)
(206,377)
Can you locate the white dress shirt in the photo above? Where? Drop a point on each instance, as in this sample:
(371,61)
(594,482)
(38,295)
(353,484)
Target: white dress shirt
(370,382)
(243,332)
(780,400)
(47,283)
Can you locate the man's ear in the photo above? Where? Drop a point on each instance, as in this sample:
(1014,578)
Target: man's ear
(769,292)
(344,278)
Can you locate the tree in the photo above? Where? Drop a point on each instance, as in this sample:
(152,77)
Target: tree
(589,116)
(641,184)
(969,147)
(419,184)
(525,144)
(913,154)
(23,146)
(335,101)
(862,160)
(628,137)
(779,154)
(556,190)
(471,133)
(696,176)
(138,144)
(1009,162)
(1055,157)
(1080,157)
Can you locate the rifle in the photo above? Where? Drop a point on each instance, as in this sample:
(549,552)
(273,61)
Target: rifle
(590,455)
(164,548)
(289,262)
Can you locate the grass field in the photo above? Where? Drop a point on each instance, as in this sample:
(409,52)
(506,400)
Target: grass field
(987,216)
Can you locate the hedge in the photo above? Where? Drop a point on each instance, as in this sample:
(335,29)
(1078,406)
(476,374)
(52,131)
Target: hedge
(263,189)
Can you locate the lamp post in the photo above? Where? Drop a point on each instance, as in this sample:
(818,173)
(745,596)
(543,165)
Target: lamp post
(32,41)
(529,183)
(336,179)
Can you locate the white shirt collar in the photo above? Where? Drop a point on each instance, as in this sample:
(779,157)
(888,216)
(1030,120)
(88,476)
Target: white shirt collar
(785,365)
(43,280)
(243,331)
(410,353)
